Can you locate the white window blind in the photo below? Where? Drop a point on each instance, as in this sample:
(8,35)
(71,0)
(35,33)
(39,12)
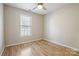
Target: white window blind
(25,25)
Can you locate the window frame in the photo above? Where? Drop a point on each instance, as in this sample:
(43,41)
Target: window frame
(25,30)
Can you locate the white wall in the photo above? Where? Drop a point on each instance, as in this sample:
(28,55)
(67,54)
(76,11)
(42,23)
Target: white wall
(1,30)
(62,26)
(12,25)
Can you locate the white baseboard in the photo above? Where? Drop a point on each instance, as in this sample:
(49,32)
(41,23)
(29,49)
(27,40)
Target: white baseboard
(2,51)
(75,49)
(23,42)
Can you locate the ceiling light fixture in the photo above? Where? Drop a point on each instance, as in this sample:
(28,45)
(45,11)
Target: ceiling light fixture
(40,6)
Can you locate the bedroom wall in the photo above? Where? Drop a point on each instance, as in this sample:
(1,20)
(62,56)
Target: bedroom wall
(62,26)
(2,44)
(12,25)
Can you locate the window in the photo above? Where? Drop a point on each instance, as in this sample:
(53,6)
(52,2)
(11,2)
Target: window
(25,25)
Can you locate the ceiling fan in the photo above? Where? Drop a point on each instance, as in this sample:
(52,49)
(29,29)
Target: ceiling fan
(39,6)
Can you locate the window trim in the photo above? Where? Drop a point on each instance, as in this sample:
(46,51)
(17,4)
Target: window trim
(23,15)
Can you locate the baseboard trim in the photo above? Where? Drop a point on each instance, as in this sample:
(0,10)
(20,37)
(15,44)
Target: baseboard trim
(2,52)
(23,42)
(75,49)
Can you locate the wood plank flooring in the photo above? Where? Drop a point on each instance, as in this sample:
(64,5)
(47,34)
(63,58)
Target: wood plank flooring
(38,48)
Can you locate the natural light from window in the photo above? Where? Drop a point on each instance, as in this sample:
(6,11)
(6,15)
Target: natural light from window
(25,25)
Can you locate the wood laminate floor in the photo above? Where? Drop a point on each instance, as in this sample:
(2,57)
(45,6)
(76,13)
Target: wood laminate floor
(38,48)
